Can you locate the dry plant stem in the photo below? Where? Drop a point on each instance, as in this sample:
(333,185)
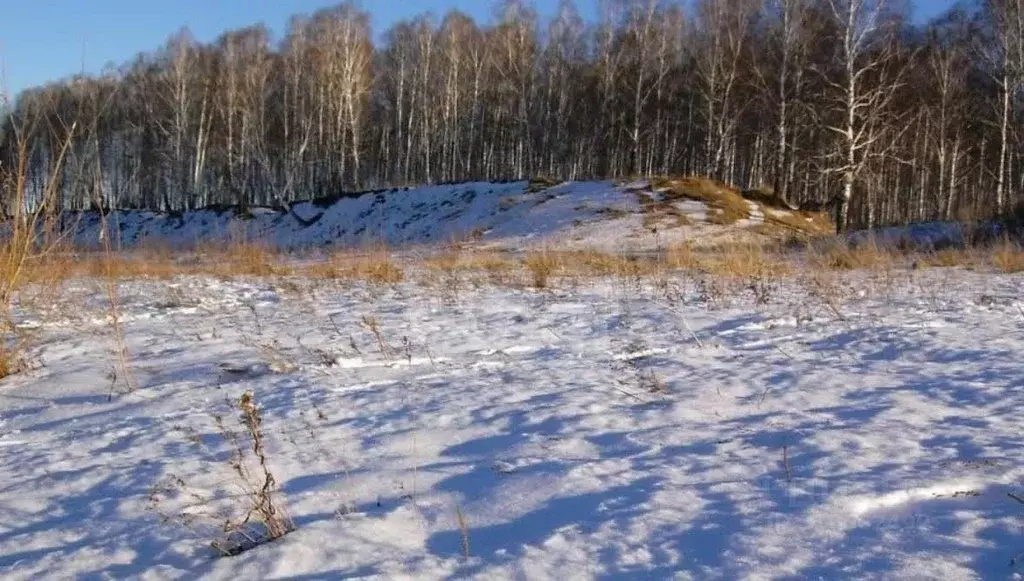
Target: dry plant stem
(415,468)
(463,530)
(23,243)
(25,222)
(783,351)
(689,329)
(123,369)
(256,318)
(785,463)
(263,504)
(123,358)
(373,326)
(632,395)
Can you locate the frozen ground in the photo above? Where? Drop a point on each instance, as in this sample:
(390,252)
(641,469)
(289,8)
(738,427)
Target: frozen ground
(612,431)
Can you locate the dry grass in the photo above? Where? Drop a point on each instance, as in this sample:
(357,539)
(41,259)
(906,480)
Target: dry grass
(1008,257)
(797,223)
(538,268)
(682,256)
(458,268)
(376,267)
(663,215)
(658,214)
(766,196)
(372,325)
(950,257)
(737,260)
(250,259)
(542,266)
(726,205)
(867,256)
(541,183)
(744,261)
(452,270)
(457,261)
(28,232)
(226,262)
(8,362)
(12,354)
(545,265)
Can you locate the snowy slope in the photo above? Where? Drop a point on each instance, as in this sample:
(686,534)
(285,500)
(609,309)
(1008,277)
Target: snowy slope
(514,215)
(582,434)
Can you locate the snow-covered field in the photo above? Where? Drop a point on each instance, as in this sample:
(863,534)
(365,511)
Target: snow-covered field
(614,430)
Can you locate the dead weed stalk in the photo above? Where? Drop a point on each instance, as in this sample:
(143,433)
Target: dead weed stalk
(266,517)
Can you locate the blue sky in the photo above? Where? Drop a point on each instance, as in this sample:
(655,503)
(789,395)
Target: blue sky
(42,40)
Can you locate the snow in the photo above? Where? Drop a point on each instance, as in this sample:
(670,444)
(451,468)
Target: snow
(585,215)
(582,432)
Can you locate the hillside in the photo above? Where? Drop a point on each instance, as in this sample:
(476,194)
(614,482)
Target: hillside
(641,215)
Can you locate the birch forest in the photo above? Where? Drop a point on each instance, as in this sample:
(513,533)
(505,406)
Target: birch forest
(851,105)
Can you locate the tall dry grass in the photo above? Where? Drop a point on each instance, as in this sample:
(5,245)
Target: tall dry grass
(375,266)
(1008,257)
(838,256)
(27,236)
(726,205)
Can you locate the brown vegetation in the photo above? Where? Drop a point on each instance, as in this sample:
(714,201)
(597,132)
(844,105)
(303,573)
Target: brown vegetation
(458,265)
(725,205)
(1008,257)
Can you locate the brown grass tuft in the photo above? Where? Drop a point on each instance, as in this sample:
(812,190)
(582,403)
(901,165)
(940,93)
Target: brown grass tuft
(12,357)
(374,267)
(744,261)
(250,259)
(1008,257)
(948,257)
(542,266)
(682,256)
(726,205)
(541,183)
(840,256)
(798,224)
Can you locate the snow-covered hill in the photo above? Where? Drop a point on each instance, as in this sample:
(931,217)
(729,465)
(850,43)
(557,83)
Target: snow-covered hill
(599,214)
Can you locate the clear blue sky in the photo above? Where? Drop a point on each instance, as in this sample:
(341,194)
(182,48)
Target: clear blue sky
(42,40)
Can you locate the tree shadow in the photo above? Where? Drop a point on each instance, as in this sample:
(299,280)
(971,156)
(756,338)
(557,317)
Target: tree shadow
(509,540)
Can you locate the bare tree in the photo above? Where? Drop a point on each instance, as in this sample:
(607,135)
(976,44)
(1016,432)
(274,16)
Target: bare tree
(782,77)
(862,91)
(724,31)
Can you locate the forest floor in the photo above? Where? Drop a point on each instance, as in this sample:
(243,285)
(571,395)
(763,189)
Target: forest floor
(863,424)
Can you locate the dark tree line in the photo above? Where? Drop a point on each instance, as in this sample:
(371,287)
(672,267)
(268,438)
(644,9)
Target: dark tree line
(842,102)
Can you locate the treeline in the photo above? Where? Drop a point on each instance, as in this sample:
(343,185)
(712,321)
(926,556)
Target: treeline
(845,103)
